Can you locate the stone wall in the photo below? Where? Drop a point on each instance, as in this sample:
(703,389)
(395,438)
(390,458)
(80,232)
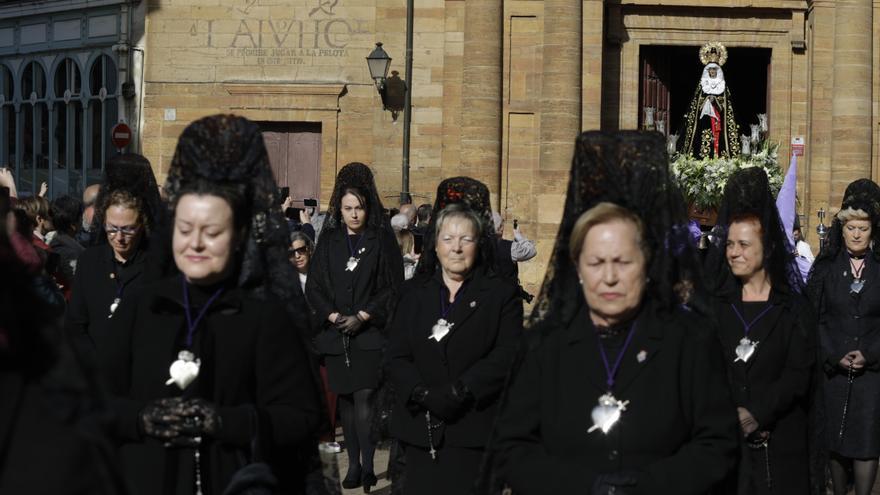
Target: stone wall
(501,87)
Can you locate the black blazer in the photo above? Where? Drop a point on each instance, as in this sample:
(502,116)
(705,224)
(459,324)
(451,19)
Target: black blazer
(252,358)
(678,432)
(87,324)
(479,349)
(372,287)
(774,384)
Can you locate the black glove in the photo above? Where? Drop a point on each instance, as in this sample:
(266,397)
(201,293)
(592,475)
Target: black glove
(162,418)
(201,418)
(447,402)
(349,325)
(614,483)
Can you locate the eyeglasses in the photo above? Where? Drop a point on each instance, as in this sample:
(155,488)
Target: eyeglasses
(127,231)
(298,251)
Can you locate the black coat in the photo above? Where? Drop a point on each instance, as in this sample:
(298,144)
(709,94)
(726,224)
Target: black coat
(68,250)
(50,439)
(774,386)
(87,324)
(478,351)
(372,287)
(252,359)
(678,432)
(849,322)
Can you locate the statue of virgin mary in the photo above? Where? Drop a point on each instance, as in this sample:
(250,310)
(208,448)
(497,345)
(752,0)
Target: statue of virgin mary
(710,127)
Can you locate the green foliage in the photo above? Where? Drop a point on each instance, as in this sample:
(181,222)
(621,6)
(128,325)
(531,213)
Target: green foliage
(702,181)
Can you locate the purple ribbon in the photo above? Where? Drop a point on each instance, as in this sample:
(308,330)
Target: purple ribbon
(190,323)
(353,250)
(445,306)
(748,325)
(611,373)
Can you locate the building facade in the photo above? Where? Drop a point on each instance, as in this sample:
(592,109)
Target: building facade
(66,79)
(500,88)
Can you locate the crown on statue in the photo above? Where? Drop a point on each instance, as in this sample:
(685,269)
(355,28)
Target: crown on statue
(713,52)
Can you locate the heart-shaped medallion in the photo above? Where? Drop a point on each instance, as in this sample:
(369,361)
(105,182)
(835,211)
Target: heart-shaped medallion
(440,329)
(607,413)
(605,417)
(745,349)
(184,370)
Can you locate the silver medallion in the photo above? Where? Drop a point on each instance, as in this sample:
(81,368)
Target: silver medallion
(745,350)
(184,370)
(351,264)
(607,413)
(113,306)
(440,329)
(856,286)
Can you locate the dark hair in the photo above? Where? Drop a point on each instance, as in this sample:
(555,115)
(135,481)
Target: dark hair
(357,193)
(747,197)
(66,212)
(424,213)
(33,207)
(233,194)
(358,177)
(129,181)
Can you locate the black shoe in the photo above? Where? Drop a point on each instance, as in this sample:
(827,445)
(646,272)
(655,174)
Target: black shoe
(352,478)
(369,481)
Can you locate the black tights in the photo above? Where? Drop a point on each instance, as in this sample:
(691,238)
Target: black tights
(864,472)
(355,410)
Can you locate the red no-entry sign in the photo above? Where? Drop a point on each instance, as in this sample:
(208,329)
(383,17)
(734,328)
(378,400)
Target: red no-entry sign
(120,135)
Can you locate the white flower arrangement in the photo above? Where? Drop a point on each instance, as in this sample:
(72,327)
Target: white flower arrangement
(702,181)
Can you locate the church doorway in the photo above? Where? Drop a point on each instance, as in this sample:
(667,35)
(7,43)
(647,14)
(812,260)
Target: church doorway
(669,75)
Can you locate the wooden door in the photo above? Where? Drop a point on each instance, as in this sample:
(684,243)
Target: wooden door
(294,150)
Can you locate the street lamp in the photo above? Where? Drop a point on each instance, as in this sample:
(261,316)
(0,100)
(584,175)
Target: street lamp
(395,93)
(379,62)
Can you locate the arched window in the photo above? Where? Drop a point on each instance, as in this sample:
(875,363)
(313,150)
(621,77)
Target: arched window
(103,109)
(7,118)
(67,129)
(32,159)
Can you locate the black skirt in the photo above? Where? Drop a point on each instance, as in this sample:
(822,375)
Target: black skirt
(361,373)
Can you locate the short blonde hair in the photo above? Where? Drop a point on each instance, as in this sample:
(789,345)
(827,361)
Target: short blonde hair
(851,213)
(604,212)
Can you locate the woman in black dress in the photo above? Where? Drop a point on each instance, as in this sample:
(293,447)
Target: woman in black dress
(453,339)
(621,390)
(128,212)
(352,287)
(767,330)
(206,368)
(843,287)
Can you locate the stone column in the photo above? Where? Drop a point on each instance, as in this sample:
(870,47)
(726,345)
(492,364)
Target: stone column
(481,98)
(851,107)
(561,86)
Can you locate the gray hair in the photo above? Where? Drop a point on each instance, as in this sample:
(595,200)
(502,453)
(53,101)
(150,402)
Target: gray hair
(458,210)
(399,222)
(302,236)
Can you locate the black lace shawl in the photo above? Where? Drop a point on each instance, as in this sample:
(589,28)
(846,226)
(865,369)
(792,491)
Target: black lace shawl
(473,194)
(747,193)
(630,169)
(358,176)
(225,155)
(131,173)
(862,194)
